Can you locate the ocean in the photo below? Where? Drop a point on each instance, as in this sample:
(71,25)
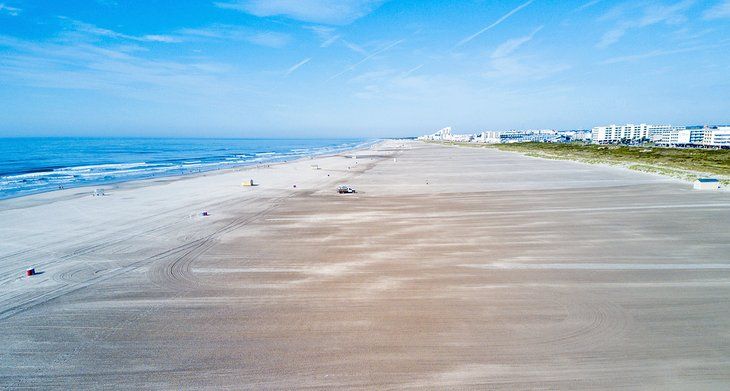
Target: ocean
(34,165)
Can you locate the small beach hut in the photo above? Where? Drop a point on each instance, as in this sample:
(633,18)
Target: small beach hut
(706,184)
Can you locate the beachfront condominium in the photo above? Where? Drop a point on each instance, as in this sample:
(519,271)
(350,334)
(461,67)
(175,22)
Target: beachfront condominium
(664,135)
(695,136)
(682,136)
(614,134)
(718,137)
(440,135)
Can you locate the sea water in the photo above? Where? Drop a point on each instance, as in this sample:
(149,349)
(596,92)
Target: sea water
(34,165)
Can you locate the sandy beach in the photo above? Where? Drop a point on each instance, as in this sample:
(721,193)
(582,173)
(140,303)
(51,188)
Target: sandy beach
(451,268)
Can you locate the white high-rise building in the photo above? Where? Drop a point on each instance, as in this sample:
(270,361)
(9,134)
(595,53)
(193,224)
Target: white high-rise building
(619,133)
(661,133)
(717,137)
(681,136)
(441,135)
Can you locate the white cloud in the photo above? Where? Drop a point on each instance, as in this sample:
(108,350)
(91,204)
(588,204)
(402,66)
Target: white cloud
(270,39)
(511,45)
(326,34)
(329,36)
(375,53)
(659,53)
(12,11)
(588,5)
(160,38)
(339,12)
(92,30)
(235,33)
(297,66)
(612,36)
(719,11)
(115,70)
(521,69)
(329,41)
(412,70)
(648,16)
(495,24)
(355,48)
(504,65)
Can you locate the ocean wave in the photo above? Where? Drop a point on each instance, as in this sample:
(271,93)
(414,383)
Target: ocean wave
(22,181)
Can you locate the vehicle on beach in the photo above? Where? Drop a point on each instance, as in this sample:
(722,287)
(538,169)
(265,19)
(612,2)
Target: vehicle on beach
(344,189)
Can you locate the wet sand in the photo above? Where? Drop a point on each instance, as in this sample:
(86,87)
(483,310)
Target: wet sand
(451,268)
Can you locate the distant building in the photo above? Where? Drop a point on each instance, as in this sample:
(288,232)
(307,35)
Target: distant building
(716,137)
(662,135)
(679,136)
(517,136)
(446,135)
(575,135)
(440,135)
(695,136)
(614,134)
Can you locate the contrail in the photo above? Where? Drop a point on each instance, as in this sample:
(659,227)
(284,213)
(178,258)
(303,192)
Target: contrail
(373,54)
(408,73)
(329,42)
(296,66)
(500,20)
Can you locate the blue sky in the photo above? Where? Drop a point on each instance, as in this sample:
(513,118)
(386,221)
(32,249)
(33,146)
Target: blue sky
(308,68)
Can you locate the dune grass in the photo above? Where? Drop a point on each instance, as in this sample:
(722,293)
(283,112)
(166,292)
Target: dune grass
(687,164)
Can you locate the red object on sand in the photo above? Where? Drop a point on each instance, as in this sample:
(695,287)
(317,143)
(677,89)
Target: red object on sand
(30,272)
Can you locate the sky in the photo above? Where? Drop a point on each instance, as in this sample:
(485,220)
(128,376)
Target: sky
(357,68)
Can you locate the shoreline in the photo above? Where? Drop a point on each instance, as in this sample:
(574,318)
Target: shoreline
(86,189)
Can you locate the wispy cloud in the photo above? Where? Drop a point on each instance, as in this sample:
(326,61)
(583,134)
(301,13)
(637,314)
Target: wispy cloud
(329,36)
(297,66)
(511,45)
(90,29)
(337,12)
(505,65)
(159,38)
(329,41)
(412,70)
(270,39)
(588,5)
(719,11)
(373,54)
(659,53)
(12,11)
(612,36)
(326,34)
(224,32)
(649,15)
(495,24)
(377,76)
(354,47)
(116,70)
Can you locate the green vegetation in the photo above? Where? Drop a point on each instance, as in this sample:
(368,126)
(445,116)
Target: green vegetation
(686,164)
